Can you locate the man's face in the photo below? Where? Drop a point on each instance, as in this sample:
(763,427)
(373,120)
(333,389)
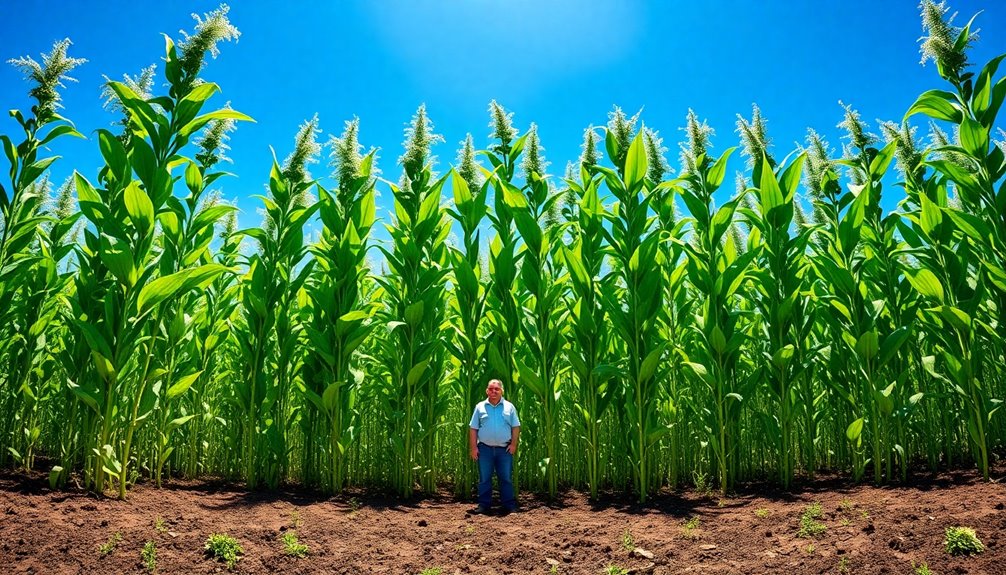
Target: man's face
(494,392)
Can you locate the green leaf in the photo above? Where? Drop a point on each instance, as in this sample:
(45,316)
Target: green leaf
(972,226)
(531,380)
(635,163)
(168,286)
(937,104)
(416,373)
(650,363)
(974,138)
(200,121)
(855,431)
(926,283)
(183,384)
(414,313)
(718,171)
(868,345)
(139,208)
(115,155)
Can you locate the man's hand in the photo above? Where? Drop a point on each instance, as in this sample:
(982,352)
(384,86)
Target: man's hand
(475,454)
(512,449)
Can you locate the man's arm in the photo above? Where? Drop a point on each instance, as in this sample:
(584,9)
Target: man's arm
(514,438)
(473,440)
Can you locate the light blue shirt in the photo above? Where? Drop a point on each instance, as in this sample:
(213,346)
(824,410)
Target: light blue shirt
(494,422)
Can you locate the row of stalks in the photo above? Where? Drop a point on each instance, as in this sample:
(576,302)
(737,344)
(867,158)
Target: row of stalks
(653,327)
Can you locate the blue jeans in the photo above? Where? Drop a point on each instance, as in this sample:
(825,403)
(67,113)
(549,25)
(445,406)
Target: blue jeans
(496,459)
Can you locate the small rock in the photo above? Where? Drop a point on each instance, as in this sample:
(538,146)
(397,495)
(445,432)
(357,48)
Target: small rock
(707,547)
(648,568)
(172,534)
(640,552)
(551,562)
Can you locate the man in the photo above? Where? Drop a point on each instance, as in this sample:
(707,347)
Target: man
(492,439)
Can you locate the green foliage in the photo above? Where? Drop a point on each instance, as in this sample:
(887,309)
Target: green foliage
(292,546)
(149,556)
(652,330)
(962,541)
(223,547)
(809,524)
(109,546)
(628,542)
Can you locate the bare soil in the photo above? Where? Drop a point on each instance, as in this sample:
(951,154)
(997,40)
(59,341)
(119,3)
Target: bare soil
(867,530)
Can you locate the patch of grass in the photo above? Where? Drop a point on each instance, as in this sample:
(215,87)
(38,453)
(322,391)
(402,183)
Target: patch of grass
(430,571)
(110,545)
(809,549)
(843,565)
(160,525)
(627,541)
(689,527)
(149,556)
(615,570)
(225,547)
(809,524)
(921,569)
(962,541)
(761,513)
(293,547)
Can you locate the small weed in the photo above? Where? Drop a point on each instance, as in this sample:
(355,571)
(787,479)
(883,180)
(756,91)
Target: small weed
(846,505)
(962,541)
(922,569)
(701,481)
(845,522)
(615,570)
(291,546)
(809,549)
(843,565)
(149,556)
(554,570)
(354,505)
(627,541)
(470,530)
(864,514)
(222,546)
(430,571)
(688,529)
(295,519)
(809,524)
(110,545)
(160,525)
(761,513)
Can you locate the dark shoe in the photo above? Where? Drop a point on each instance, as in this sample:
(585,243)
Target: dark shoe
(480,510)
(509,510)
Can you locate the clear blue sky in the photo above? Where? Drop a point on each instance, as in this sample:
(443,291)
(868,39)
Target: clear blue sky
(560,63)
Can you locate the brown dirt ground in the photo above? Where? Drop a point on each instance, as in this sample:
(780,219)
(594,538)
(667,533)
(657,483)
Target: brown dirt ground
(869,530)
